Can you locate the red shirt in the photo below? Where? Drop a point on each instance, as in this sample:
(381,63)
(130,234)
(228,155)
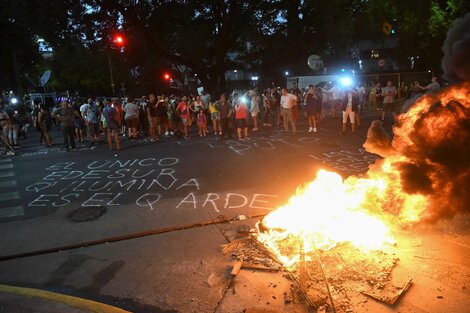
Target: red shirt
(241,111)
(183,109)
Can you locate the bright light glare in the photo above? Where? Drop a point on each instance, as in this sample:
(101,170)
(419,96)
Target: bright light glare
(243,99)
(345,81)
(14,101)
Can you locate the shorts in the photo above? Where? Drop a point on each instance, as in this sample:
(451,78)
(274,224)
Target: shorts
(112,125)
(215,116)
(153,121)
(185,121)
(93,129)
(161,120)
(352,115)
(132,123)
(388,107)
(241,122)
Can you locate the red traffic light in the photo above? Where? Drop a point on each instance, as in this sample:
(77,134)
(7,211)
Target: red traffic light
(166,76)
(119,40)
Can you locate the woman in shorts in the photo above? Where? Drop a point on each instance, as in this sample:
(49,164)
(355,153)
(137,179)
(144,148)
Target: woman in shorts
(131,117)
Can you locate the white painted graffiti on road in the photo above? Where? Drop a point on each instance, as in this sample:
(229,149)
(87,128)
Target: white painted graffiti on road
(143,181)
(350,162)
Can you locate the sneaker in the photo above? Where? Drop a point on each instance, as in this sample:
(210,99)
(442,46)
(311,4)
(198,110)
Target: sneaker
(315,130)
(255,129)
(167,133)
(220,133)
(247,138)
(172,133)
(310,129)
(11,153)
(269,125)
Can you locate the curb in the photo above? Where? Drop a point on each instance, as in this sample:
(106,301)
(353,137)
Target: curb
(80,303)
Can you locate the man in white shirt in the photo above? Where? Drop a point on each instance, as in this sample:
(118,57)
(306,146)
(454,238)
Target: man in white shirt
(288,101)
(388,93)
(361,91)
(432,87)
(336,94)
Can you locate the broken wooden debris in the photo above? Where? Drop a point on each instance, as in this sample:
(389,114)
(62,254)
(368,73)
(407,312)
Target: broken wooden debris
(388,300)
(259,268)
(236,267)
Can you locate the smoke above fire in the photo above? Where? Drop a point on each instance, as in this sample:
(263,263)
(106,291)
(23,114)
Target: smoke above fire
(429,156)
(456,61)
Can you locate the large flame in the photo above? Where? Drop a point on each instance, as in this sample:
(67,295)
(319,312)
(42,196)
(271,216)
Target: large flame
(327,212)
(425,174)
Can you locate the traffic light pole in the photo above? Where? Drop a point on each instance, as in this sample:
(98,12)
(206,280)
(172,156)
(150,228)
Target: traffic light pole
(111,73)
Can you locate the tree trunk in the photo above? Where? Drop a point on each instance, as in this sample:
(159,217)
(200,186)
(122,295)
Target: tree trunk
(18,86)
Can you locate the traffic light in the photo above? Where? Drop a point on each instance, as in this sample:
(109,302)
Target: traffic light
(119,40)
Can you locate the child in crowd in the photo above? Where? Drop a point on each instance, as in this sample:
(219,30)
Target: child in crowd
(202,122)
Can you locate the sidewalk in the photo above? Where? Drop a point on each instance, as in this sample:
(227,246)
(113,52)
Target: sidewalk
(28,300)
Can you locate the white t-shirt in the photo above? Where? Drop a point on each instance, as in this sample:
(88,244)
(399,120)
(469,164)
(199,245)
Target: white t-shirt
(349,105)
(389,93)
(362,92)
(336,93)
(288,101)
(84,107)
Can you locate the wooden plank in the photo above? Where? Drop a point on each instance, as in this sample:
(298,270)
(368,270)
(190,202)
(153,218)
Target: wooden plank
(236,268)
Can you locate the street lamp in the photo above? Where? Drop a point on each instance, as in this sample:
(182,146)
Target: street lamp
(287,73)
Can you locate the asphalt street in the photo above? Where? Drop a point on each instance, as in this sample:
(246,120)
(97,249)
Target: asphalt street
(153,186)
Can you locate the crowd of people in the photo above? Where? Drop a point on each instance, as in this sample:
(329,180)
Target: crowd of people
(228,116)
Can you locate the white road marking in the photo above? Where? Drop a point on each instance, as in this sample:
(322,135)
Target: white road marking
(7,174)
(5,166)
(11,212)
(8,183)
(5,196)
(5,160)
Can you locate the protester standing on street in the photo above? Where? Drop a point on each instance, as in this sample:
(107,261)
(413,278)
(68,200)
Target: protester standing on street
(112,125)
(151,109)
(378,97)
(65,114)
(361,92)
(267,105)
(131,117)
(90,114)
(225,114)
(78,122)
(288,101)
(432,87)
(45,123)
(388,94)
(241,114)
(183,112)
(313,103)
(215,117)
(254,109)
(350,103)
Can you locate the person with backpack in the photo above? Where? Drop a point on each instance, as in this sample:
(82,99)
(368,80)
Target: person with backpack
(112,119)
(91,115)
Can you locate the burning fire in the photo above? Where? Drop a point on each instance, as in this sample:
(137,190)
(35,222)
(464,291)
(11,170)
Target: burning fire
(325,213)
(424,175)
